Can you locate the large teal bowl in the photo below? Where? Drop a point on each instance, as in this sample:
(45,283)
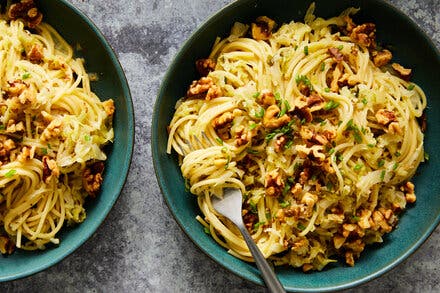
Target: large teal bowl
(100,58)
(410,46)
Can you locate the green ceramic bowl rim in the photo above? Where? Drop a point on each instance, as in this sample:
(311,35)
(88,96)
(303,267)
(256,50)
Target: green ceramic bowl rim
(106,207)
(162,182)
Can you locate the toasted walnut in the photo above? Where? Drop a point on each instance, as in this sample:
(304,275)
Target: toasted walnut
(350,25)
(338,241)
(15,88)
(384,116)
(262,28)
(223,120)
(306,132)
(199,87)
(349,259)
(6,146)
(36,55)
(408,188)
(309,199)
(356,246)
(364,222)
(326,166)
(205,66)
(50,169)
(213,92)
(293,211)
(249,219)
(266,99)
(27,10)
(394,127)
(316,151)
(336,75)
(242,136)
(403,72)
(380,221)
(304,175)
(52,130)
(280,143)
(381,58)
(271,119)
(301,246)
(26,154)
(304,113)
(336,54)
(274,184)
(364,35)
(314,101)
(92,178)
(7,246)
(297,189)
(109,107)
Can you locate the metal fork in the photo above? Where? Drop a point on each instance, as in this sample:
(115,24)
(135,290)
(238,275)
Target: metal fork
(230,207)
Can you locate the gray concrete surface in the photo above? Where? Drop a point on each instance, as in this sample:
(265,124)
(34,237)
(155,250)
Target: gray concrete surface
(139,247)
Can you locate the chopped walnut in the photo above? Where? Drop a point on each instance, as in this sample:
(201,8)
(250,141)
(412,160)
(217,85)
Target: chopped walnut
(315,100)
(92,178)
(109,107)
(249,219)
(199,87)
(262,28)
(336,54)
(7,246)
(338,241)
(52,130)
(403,72)
(315,151)
(205,66)
(27,10)
(223,120)
(304,113)
(266,99)
(336,75)
(408,189)
(384,116)
(213,92)
(364,222)
(364,35)
(15,88)
(242,136)
(297,189)
(394,127)
(379,220)
(349,259)
(280,143)
(381,58)
(50,169)
(35,55)
(326,166)
(301,246)
(271,119)
(6,145)
(274,184)
(26,154)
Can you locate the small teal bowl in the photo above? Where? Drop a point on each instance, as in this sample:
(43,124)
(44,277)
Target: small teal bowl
(410,47)
(76,28)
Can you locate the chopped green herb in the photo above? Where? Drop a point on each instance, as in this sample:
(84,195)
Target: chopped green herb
(357,137)
(256,95)
(271,135)
(300,226)
(285,204)
(296,166)
(268,216)
(286,105)
(339,122)
(87,137)
(219,140)
(381,163)
(26,75)
(426,156)
(228,160)
(364,101)
(397,154)
(358,167)
(257,225)
(260,113)
(10,173)
(355,218)
(314,177)
(277,96)
(286,189)
(253,207)
(395,166)
(206,230)
(339,157)
(303,121)
(44,151)
(323,122)
(331,151)
(322,66)
(224,149)
(306,50)
(2,127)
(370,145)
(327,90)
(288,144)
(329,185)
(48,146)
(252,126)
(252,151)
(382,175)
(303,79)
(410,87)
(363,130)
(330,105)
(340,47)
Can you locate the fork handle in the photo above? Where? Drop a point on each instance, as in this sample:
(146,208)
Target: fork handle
(271,280)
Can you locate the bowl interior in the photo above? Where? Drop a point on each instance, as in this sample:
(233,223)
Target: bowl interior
(410,47)
(78,29)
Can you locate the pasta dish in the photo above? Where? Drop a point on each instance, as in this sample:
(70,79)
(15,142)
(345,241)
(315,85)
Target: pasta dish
(52,132)
(316,126)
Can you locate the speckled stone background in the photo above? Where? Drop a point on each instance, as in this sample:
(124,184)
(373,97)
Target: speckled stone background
(140,248)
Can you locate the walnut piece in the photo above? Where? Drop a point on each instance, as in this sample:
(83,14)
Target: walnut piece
(271,119)
(92,178)
(262,28)
(381,58)
(266,99)
(205,66)
(385,117)
(36,55)
(364,35)
(274,184)
(204,87)
(27,10)
(336,54)
(7,246)
(50,169)
(403,72)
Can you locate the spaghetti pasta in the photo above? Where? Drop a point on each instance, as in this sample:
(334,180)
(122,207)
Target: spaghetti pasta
(316,128)
(52,132)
